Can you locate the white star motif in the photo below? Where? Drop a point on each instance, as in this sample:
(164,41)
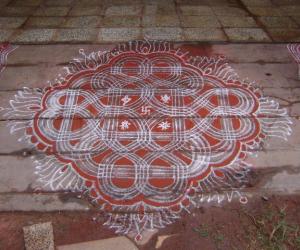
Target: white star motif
(125,100)
(125,125)
(164,125)
(165,98)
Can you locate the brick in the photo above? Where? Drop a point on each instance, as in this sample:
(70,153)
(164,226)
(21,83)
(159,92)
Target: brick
(247,34)
(191,10)
(174,34)
(229,11)
(82,22)
(34,35)
(237,22)
(75,35)
(49,22)
(123,10)
(5,34)
(86,11)
(51,11)
(119,34)
(285,35)
(16,11)
(266,11)
(11,22)
(121,21)
(204,34)
(200,21)
(278,22)
(161,21)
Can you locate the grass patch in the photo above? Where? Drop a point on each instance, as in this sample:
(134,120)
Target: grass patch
(273,232)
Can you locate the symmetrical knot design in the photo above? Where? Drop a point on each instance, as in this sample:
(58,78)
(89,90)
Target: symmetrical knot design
(146,127)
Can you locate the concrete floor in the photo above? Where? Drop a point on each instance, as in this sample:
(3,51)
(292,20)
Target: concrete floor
(100,21)
(276,168)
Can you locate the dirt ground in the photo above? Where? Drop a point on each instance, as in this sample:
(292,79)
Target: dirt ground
(263,223)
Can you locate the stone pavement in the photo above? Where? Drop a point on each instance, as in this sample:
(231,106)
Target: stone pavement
(103,21)
(251,34)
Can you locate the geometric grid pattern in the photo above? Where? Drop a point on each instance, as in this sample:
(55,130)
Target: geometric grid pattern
(145,129)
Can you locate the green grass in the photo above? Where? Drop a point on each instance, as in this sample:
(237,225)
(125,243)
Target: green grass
(268,229)
(273,231)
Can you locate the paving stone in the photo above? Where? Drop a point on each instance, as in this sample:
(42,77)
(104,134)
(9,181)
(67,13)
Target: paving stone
(266,11)
(200,21)
(34,35)
(237,22)
(191,10)
(82,22)
(261,3)
(5,34)
(85,3)
(204,34)
(193,2)
(11,22)
(87,11)
(16,11)
(228,3)
(124,2)
(291,10)
(150,9)
(161,21)
(51,11)
(285,35)
(59,2)
(165,8)
(286,2)
(75,35)
(4,3)
(277,22)
(229,11)
(26,3)
(163,33)
(49,22)
(119,34)
(36,202)
(39,236)
(282,182)
(296,19)
(17,173)
(116,243)
(121,21)
(123,10)
(246,34)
